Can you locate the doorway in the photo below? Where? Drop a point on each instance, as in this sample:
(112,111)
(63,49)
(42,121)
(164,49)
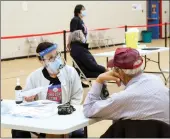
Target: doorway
(154,16)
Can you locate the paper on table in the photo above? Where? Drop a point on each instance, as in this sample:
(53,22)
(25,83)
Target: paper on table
(141,46)
(5,107)
(34,91)
(37,103)
(44,111)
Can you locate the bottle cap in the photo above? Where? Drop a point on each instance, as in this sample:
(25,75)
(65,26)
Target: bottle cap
(18,81)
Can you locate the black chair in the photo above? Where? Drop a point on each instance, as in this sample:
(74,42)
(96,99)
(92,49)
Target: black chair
(138,129)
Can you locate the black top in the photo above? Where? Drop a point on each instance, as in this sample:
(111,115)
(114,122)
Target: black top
(85,60)
(54,92)
(53,81)
(78,24)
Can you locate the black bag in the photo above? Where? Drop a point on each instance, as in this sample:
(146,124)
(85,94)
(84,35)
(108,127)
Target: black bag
(65,109)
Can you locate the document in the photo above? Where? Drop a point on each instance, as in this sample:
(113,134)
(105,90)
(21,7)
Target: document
(37,109)
(34,91)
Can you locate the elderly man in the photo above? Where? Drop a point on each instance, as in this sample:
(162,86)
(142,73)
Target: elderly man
(145,96)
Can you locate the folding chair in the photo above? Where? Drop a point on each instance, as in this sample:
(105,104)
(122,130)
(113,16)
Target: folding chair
(32,45)
(100,39)
(45,39)
(93,39)
(104,40)
(33,42)
(108,38)
(82,75)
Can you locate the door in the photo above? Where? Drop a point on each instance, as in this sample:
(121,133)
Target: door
(154,17)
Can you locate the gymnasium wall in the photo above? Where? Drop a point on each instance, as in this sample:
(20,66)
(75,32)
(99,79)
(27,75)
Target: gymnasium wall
(51,16)
(165,16)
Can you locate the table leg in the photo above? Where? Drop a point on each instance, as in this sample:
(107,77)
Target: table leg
(85,132)
(158,62)
(145,62)
(160,67)
(107,59)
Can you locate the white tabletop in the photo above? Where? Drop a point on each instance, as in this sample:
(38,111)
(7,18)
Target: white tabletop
(142,52)
(58,124)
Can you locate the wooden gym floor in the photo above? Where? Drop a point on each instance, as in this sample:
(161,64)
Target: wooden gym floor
(21,68)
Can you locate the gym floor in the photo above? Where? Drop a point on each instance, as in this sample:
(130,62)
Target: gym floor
(21,68)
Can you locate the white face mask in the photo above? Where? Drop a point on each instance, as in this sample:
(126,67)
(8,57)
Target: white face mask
(55,66)
(83,13)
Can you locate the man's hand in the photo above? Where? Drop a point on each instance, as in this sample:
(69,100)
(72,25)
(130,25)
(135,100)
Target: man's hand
(109,76)
(68,48)
(29,99)
(106,70)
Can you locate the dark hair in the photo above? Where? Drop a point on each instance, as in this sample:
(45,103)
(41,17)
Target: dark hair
(77,9)
(42,46)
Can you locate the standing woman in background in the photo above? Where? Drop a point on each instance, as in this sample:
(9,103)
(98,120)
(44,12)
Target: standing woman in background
(77,22)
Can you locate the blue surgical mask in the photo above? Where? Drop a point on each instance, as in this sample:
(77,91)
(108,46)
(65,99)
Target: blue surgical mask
(83,13)
(53,67)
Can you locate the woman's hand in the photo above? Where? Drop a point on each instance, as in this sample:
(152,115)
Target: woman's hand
(109,76)
(29,99)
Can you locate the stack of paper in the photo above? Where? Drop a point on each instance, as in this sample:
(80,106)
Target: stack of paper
(36,109)
(5,107)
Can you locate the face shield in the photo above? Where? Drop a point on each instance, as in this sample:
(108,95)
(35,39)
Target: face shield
(53,59)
